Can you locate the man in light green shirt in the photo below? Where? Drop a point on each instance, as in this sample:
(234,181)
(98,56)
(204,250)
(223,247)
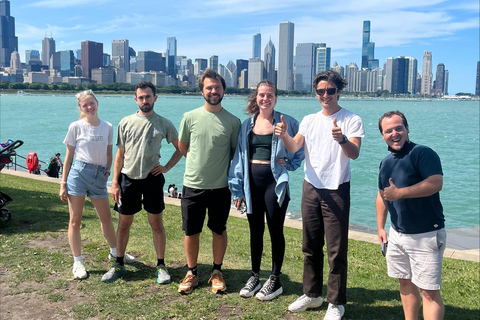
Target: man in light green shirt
(208,137)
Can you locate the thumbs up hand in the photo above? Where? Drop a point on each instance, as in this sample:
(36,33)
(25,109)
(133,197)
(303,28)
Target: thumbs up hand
(391,193)
(337,133)
(281,128)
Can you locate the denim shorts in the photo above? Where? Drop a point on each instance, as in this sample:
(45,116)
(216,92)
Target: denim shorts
(87,179)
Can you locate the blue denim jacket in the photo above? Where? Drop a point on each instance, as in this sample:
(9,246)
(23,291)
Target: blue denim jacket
(239,175)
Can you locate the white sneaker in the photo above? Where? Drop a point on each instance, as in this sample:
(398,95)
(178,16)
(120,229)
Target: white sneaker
(303,303)
(128,258)
(334,312)
(79,271)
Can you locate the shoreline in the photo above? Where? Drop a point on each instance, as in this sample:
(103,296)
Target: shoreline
(462,243)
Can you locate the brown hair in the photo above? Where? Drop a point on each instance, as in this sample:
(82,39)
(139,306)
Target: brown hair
(212,74)
(390,114)
(252,106)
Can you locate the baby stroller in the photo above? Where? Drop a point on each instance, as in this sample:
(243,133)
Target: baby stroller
(6,214)
(7,150)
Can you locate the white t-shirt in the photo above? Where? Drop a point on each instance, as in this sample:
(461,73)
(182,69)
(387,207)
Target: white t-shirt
(326,166)
(90,142)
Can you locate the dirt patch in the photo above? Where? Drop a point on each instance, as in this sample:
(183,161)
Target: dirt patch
(50,243)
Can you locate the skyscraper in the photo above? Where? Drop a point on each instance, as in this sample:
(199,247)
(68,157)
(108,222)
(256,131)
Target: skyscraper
(92,56)
(231,79)
(368,49)
(350,72)
(200,65)
(305,66)
(255,72)
(8,40)
(269,57)
(32,55)
(257,46)
(285,56)
(67,63)
(400,75)
(322,58)
(477,85)
(48,49)
(213,63)
(121,54)
(172,57)
(439,80)
(412,75)
(150,61)
(242,64)
(427,76)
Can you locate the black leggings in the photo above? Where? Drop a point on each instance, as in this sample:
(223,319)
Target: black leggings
(264,200)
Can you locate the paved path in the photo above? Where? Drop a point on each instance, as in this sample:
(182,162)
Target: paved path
(462,244)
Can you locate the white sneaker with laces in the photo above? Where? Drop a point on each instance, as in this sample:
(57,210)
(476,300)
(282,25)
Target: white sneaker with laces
(303,303)
(79,271)
(128,258)
(334,312)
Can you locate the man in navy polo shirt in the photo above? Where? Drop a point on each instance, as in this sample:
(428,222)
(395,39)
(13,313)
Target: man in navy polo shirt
(409,183)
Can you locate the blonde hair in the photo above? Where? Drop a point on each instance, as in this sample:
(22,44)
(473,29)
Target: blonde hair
(81,95)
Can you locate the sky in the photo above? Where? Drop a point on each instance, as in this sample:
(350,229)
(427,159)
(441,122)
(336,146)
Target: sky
(449,29)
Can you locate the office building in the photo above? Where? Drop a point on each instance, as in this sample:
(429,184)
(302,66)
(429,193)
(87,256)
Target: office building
(350,71)
(439,88)
(447,74)
(242,64)
(8,40)
(285,56)
(15,60)
(388,71)
(92,56)
(107,60)
(339,69)
(305,66)
(427,76)
(257,46)
(171,57)
(368,49)
(477,84)
(200,66)
(231,75)
(322,58)
(412,76)
(120,54)
(150,61)
(213,63)
(255,72)
(48,49)
(400,75)
(67,63)
(269,63)
(32,55)
(55,63)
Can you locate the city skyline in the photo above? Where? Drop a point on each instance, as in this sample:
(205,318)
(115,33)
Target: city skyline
(397,29)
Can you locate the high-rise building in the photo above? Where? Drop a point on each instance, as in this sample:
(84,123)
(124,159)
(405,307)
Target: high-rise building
(231,75)
(92,56)
(305,66)
(427,76)
(339,69)
(257,46)
(285,56)
(350,72)
(368,49)
(388,71)
(32,55)
(121,54)
(477,84)
(412,76)
(439,80)
(447,74)
(8,40)
(213,63)
(15,60)
(172,57)
(48,49)
(107,60)
(269,57)
(150,61)
(67,63)
(255,72)
(200,65)
(400,75)
(242,64)
(322,58)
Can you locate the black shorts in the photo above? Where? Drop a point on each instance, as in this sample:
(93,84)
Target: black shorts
(195,203)
(134,192)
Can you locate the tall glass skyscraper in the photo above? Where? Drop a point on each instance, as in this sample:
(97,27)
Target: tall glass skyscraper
(368,49)
(121,54)
(477,85)
(172,57)
(269,57)
(305,65)
(92,57)
(8,40)
(48,49)
(322,58)
(257,46)
(285,56)
(427,76)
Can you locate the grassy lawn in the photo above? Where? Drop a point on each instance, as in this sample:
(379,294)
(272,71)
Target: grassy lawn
(36,280)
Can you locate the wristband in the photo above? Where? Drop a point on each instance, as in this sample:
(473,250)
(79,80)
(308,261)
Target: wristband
(63,182)
(344,140)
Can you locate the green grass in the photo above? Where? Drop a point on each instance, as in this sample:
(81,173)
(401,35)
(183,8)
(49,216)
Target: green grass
(35,260)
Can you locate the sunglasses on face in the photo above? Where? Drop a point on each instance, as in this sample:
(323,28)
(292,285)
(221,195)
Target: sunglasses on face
(81,94)
(329,91)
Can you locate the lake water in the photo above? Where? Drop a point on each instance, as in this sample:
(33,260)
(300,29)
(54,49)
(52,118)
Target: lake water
(451,128)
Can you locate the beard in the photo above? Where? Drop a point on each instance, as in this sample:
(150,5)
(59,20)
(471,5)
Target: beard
(213,99)
(146,108)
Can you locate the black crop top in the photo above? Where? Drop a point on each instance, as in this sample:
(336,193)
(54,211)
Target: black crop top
(260,146)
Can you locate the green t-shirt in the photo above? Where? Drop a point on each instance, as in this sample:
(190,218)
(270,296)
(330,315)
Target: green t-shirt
(142,136)
(211,138)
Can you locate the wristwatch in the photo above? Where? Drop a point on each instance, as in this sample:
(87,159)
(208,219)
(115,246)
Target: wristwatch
(344,140)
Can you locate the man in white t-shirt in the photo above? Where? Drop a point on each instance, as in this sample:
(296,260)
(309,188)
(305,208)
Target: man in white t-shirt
(331,138)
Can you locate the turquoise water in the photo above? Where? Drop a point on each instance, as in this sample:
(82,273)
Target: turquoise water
(451,128)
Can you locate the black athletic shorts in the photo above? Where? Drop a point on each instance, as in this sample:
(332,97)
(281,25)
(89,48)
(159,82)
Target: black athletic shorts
(196,202)
(134,192)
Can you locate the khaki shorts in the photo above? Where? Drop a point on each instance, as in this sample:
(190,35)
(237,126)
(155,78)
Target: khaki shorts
(417,257)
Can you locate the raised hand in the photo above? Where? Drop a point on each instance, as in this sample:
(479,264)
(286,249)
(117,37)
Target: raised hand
(281,128)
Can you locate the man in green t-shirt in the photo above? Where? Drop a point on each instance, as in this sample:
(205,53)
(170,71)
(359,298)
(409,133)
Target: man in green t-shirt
(208,137)
(138,176)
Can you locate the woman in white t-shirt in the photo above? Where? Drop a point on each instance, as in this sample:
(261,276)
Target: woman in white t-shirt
(90,141)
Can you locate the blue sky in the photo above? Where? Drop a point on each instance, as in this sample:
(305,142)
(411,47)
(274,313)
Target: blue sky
(449,29)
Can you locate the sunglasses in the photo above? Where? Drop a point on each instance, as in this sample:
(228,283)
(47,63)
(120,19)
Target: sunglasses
(83,93)
(329,91)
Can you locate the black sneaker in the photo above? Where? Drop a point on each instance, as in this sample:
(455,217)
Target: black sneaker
(251,287)
(271,288)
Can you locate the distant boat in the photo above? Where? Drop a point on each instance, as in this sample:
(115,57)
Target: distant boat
(22,93)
